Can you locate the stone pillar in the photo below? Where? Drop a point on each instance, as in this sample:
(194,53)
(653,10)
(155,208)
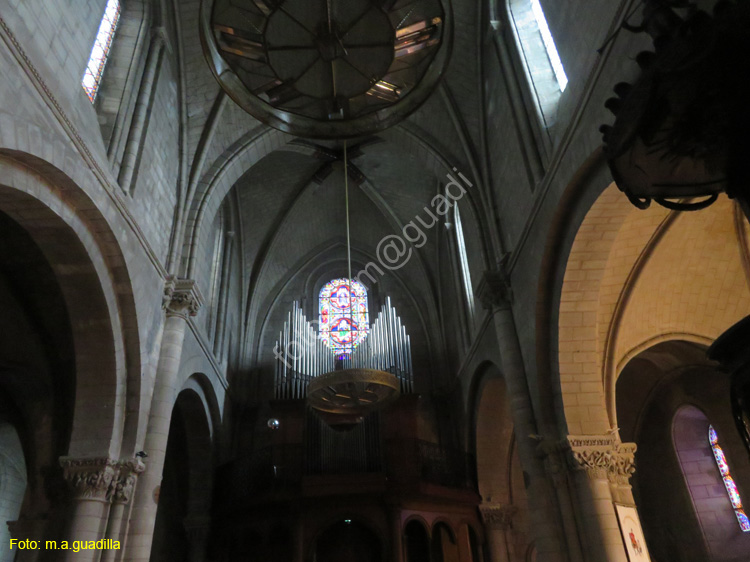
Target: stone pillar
(556,466)
(495,294)
(122,490)
(181,300)
(601,465)
(498,521)
(91,480)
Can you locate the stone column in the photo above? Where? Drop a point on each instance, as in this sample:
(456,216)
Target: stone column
(181,300)
(556,466)
(497,525)
(121,492)
(495,294)
(91,480)
(600,464)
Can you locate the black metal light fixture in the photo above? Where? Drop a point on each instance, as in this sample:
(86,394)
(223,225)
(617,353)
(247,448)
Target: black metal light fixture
(681,130)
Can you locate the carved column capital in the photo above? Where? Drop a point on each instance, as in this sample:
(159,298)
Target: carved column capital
(102,478)
(602,457)
(494,291)
(89,478)
(121,489)
(554,454)
(181,297)
(497,516)
(623,464)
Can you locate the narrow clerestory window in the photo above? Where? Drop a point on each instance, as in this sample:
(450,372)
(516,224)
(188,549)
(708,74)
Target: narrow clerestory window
(92,76)
(464,263)
(543,66)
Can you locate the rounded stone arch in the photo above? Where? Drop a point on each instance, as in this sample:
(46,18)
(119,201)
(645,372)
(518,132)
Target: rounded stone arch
(342,520)
(200,385)
(444,543)
(419,519)
(583,190)
(622,277)
(215,184)
(491,427)
(90,270)
(665,406)
(445,522)
(417,537)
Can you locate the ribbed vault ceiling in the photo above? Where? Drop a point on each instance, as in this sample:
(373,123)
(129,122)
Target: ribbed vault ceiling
(291,218)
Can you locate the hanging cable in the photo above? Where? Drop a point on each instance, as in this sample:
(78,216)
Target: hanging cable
(348,246)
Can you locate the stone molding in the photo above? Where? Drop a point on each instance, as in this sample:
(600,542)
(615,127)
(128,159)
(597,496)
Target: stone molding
(101,478)
(181,297)
(498,516)
(494,291)
(602,457)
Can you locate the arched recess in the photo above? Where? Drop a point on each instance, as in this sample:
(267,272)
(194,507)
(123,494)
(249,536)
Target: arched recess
(666,397)
(37,382)
(89,268)
(632,277)
(499,472)
(183,518)
(444,543)
(416,541)
(345,540)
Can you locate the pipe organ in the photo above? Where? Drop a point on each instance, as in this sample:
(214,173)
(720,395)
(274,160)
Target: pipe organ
(301,355)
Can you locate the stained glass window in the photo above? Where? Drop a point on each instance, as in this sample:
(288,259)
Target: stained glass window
(92,76)
(344,319)
(729,484)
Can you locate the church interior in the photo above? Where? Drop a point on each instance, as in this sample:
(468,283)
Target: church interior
(374,281)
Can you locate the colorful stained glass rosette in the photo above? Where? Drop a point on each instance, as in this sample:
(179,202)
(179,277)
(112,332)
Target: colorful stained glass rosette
(92,76)
(729,484)
(344,318)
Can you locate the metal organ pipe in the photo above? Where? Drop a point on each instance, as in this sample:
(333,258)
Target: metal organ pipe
(302,355)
